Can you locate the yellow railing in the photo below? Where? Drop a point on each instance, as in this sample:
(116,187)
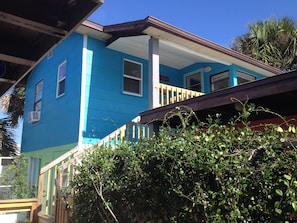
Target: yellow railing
(171,94)
(17,205)
(132,132)
(56,176)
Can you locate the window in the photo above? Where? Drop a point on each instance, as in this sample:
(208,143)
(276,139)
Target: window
(61,79)
(243,77)
(219,81)
(38,96)
(193,82)
(132,77)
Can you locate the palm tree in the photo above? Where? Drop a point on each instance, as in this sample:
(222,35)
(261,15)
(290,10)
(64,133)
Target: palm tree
(7,144)
(272,42)
(13,106)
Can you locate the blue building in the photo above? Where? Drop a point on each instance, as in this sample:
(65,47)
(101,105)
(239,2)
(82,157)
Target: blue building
(101,77)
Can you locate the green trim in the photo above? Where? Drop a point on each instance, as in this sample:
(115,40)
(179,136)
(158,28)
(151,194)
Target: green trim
(49,154)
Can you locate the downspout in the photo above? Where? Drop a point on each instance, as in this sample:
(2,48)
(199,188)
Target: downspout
(83,93)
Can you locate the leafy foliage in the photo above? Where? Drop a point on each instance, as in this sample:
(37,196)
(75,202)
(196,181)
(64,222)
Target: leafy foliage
(7,144)
(273,42)
(15,176)
(13,107)
(207,172)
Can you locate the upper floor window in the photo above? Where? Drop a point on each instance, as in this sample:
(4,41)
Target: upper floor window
(61,79)
(244,77)
(193,81)
(38,96)
(132,77)
(219,81)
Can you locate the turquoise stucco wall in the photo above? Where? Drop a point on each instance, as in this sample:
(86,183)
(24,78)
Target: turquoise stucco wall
(107,107)
(59,119)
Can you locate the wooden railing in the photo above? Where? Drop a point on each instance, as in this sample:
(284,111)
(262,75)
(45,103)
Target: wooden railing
(16,205)
(132,132)
(171,94)
(56,176)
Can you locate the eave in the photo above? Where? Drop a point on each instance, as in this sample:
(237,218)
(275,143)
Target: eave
(122,34)
(30,29)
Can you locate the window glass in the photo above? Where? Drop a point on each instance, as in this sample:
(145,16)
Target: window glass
(61,79)
(193,82)
(38,96)
(132,77)
(132,69)
(244,77)
(220,81)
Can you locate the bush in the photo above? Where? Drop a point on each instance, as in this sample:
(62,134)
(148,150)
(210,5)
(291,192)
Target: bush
(207,172)
(14,179)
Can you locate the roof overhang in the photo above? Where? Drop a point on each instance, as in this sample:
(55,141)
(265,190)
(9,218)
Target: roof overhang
(30,29)
(177,47)
(277,93)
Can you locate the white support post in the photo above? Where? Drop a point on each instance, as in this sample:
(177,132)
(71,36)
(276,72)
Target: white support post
(154,73)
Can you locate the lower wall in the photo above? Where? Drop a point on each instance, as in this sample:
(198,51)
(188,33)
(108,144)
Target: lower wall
(49,154)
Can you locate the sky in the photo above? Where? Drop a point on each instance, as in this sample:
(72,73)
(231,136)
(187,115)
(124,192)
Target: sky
(219,21)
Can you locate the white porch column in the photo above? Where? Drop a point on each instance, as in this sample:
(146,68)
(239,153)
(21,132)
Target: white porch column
(154,73)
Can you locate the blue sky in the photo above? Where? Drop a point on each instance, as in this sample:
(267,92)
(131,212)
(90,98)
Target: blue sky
(219,21)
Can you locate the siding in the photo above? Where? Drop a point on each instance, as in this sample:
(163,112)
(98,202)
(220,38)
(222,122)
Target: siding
(108,107)
(59,119)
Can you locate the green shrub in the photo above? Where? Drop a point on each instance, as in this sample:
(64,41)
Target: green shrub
(15,179)
(207,172)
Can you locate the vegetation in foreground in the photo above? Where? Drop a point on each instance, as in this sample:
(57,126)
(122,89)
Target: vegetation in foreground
(208,172)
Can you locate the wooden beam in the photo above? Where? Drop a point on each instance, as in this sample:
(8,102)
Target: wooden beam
(17,60)
(18,205)
(32,25)
(4,80)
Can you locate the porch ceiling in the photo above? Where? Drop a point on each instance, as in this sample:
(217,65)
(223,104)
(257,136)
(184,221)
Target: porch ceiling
(171,54)
(29,29)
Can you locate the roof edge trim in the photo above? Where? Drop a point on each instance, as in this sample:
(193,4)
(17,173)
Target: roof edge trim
(138,27)
(151,21)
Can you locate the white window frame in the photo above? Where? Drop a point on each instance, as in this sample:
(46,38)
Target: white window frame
(59,80)
(246,76)
(38,96)
(218,77)
(200,71)
(127,76)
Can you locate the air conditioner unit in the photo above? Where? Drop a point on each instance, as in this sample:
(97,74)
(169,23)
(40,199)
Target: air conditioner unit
(33,116)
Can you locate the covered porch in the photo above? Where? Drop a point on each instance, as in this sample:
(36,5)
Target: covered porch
(176,57)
